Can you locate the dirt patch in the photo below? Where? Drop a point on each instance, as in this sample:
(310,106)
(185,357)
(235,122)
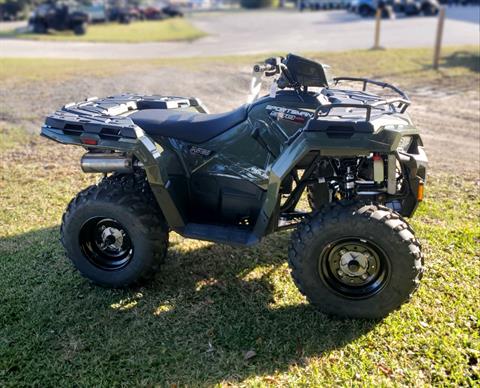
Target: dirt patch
(451,128)
(447,114)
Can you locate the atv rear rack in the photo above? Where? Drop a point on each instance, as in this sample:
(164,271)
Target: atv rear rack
(108,117)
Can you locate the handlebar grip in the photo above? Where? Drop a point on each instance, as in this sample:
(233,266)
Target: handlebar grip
(263,68)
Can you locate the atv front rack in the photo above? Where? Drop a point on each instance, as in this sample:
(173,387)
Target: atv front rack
(324,110)
(363,99)
(366,81)
(367,101)
(352,111)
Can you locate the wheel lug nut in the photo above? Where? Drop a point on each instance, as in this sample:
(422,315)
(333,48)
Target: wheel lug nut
(364,276)
(340,273)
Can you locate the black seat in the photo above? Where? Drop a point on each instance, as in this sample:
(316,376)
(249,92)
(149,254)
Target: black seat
(188,126)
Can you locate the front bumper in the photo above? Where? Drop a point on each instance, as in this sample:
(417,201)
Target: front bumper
(415,166)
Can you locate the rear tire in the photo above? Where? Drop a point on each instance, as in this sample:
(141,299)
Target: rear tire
(80,29)
(356,261)
(114,232)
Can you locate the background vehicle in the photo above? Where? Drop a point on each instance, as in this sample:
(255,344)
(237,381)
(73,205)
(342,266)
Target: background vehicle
(363,7)
(390,8)
(315,5)
(172,11)
(153,13)
(120,15)
(11,11)
(161,12)
(60,17)
(416,7)
(236,177)
(99,13)
(96,12)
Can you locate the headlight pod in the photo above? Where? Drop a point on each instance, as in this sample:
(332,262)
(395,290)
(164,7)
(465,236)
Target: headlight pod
(405,143)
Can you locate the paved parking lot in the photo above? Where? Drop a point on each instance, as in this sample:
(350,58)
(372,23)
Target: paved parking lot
(270,31)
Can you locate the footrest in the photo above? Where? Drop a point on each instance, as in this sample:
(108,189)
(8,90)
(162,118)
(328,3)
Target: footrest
(230,235)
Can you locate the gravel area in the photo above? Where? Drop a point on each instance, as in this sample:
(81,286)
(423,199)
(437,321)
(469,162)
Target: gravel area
(448,115)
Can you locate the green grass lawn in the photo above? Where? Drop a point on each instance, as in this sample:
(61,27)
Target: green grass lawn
(457,63)
(135,32)
(211,304)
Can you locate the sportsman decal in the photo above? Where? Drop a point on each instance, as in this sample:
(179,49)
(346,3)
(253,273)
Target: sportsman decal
(282,113)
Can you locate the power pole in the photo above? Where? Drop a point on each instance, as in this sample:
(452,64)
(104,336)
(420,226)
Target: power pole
(378,20)
(438,40)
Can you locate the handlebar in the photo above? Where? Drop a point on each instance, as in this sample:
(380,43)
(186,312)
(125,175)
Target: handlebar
(271,66)
(261,68)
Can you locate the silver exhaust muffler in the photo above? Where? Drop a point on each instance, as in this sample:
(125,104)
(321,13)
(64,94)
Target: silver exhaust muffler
(105,163)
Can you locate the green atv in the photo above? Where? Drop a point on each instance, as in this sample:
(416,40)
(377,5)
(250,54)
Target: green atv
(239,176)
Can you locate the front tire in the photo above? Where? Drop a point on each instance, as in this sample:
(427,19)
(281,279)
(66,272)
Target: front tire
(318,195)
(360,261)
(114,232)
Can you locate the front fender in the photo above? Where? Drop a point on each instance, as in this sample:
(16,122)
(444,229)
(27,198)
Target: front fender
(358,144)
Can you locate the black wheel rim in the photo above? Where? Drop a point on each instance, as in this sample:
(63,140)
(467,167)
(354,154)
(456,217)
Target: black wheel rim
(354,267)
(106,243)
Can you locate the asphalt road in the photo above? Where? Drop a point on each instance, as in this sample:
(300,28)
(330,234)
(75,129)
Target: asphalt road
(270,31)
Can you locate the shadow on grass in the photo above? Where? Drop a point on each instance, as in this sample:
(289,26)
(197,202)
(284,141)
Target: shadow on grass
(469,60)
(466,59)
(192,325)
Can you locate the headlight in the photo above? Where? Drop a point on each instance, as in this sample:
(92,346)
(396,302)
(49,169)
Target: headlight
(405,143)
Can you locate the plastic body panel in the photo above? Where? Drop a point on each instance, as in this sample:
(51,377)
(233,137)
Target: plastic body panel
(233,180)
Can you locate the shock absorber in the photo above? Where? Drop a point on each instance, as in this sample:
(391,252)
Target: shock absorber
(378,168)
(350,182)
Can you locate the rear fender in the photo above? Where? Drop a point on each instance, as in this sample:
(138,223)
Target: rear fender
(145,150)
